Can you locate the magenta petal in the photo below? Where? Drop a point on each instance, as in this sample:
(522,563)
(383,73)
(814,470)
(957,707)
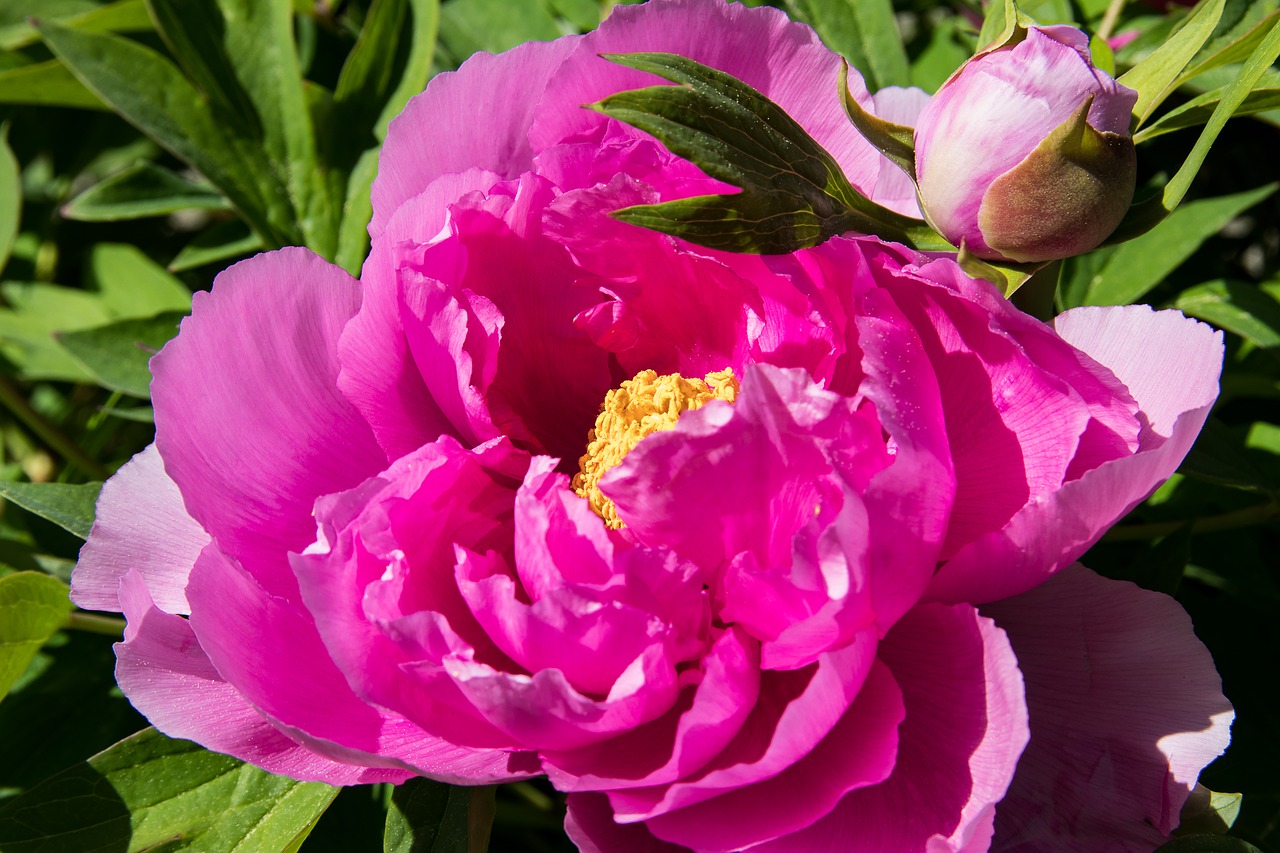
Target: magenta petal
(1170,365)
(249,420)
(859,751)
(965,727)
(590,825)
(270,649)
(504,89)
(140,524)
(162,669)
(1126,710)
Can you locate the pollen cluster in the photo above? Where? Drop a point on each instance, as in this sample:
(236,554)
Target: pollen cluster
(641,406)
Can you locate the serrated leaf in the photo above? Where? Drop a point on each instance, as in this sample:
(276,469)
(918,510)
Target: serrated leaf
(793,193)
(1137,266)
(217,244)
(149,790)
(153,95)
(131,284)
(142,190)
(862,31)
(1200,109)
(10,196)
(1155,77)
(1238,307)
(427,817)
(117,354)
(1207,844)
(48,84)
(32,607)
(66,505)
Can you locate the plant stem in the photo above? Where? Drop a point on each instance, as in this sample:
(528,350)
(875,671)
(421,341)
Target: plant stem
(111,626)
(1109,19)
(13,400)
(1246,517)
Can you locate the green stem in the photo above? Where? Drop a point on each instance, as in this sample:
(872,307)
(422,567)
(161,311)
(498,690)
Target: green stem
(1109,19)
(111,626)
(1259,514)
(13,400)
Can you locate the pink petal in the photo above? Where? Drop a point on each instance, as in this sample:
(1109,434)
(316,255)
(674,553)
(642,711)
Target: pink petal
(894,188)
(504,89)
(140,524)
(164,672)
(1170,365)
(249,419)
(1126,710)
(965,726)
(590,825)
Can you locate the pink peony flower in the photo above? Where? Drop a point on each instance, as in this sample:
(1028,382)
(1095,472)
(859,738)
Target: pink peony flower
(1024,153)
(386,528)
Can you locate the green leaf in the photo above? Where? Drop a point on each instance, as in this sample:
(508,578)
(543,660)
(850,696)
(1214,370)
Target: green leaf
(153,95)
(141,190)
(894,141)
(94,17)
(1207,844)
(148,791)
(425,28)
(1235,45)
(68,506)
(1137,266)
(793,193)
(48,84)
(10,196)
(32,607)
(133,285)
(117,354)
(427,817)
(38,310)
(1208,812)
(467,26)
(217,244)
(1225,456)
(353,238)
(1156,76)
(947,50)
(1238,307)
(862,31)
(368,74)
(1200,109)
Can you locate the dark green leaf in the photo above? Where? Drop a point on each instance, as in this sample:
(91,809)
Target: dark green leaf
(68,506)
(1207,844)
(10,197)
(793,193)
(1236,306)
(368,74)
(431,817)
(1200,109)
(149,790)
(862,31)
(117,354)
(1155,77)
(1224,456)
(32,607)
(1137,266)
(47,84)
(140,191)
(151,93)
(217,244)
(425,27)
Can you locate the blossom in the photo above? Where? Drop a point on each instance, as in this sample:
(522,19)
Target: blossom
(1024,153)
(702,537)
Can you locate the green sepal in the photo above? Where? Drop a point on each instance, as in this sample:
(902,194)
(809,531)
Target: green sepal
(894,141)
(1006,276)
(1208,812)
(793,192)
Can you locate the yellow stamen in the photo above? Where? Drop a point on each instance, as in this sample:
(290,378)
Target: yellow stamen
(641,406)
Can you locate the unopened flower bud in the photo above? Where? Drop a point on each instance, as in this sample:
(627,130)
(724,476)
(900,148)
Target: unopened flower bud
(1024,153)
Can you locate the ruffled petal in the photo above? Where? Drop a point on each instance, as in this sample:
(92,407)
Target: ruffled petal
(140,525)
(249,419)
(1126,710)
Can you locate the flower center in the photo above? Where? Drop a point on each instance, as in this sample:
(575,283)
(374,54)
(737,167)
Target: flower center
(641,406)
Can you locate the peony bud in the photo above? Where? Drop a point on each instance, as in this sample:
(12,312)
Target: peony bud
(1024,153)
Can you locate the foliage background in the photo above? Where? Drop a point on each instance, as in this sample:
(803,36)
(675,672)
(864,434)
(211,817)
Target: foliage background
(249,125)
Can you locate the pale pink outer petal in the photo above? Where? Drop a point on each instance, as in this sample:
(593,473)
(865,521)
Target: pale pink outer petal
(1126,710)
(476,117)
(965,727)
(1171,365)
(249,419)
(784,60)
(270,650)
(164,672)
(140,524)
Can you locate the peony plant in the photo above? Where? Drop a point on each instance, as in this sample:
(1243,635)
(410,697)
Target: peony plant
(740,551)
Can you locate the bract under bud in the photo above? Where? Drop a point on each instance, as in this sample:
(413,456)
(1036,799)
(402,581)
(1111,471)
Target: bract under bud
(1024,153)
